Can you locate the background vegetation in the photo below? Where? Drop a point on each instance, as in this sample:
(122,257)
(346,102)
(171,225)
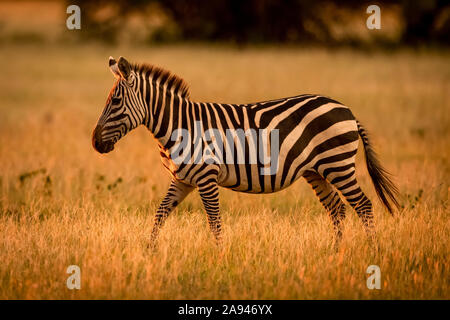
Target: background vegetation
(329,23)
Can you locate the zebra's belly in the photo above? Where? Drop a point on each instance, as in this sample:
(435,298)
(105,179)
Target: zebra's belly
(252,179)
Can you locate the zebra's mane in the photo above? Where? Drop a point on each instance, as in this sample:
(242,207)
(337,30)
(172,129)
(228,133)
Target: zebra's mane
(173,83)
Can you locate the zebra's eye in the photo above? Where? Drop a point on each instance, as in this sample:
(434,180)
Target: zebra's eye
(115,101)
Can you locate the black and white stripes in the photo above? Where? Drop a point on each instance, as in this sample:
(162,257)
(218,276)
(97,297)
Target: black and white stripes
(316,138)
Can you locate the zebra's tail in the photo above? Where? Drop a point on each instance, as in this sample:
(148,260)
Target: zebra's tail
(385,188)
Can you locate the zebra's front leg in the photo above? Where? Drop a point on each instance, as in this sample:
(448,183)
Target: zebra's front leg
(176,193)
(209,193)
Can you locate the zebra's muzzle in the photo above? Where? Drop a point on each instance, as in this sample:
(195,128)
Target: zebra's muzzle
(100,145)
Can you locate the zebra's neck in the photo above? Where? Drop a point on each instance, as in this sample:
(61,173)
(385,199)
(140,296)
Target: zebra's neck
(165,112)
(164,95)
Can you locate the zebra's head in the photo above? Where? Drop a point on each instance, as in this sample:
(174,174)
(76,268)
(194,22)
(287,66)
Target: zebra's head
(123,111)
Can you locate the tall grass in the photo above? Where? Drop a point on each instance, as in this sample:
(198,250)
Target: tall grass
(62,204)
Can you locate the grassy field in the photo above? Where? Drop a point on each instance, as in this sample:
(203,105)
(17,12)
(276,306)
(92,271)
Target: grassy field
(62,204)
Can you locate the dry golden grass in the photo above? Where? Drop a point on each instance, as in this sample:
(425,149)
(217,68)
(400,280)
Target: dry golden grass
(96,211)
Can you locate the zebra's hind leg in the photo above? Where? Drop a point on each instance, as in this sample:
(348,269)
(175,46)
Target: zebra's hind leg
(330,200)
(176,193)
(346,183)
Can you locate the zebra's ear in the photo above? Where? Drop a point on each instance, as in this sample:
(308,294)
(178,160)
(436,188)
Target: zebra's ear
(113,67)
(124,68)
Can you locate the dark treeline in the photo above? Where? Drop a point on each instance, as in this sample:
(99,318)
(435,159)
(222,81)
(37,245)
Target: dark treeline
(257,21)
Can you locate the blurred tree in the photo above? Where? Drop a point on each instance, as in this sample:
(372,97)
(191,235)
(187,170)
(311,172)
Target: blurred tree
(242,21)
(102,19)
(426,20)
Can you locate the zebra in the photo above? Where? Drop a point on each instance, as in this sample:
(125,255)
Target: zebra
(318,140)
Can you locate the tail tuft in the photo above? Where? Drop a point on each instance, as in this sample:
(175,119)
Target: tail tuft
(385,188)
